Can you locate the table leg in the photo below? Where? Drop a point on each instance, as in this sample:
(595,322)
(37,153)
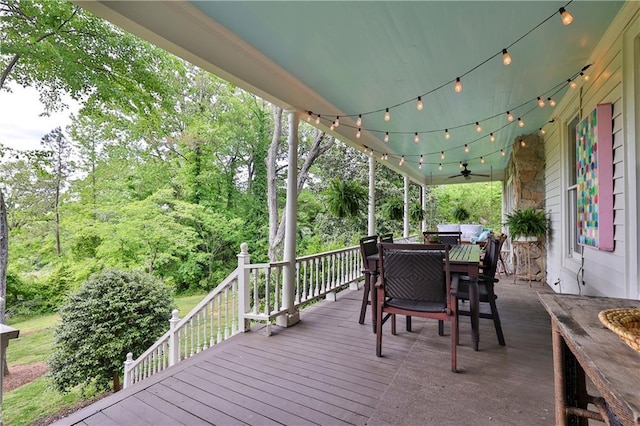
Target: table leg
(474,308)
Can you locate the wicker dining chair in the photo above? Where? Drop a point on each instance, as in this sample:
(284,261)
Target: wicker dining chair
(415,280)
(386,238)
(368,246)
(486,287)
(449,238)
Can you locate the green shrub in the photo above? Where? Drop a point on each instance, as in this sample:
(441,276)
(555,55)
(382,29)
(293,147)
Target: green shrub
(113,313)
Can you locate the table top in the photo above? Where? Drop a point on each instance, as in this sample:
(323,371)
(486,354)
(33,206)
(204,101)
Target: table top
(612,365)
(465,253)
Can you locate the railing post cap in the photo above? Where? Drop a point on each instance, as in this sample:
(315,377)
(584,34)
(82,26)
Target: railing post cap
(129,357)
(174,314)
(244,249)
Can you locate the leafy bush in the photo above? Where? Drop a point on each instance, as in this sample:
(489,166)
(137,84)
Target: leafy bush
(113,313)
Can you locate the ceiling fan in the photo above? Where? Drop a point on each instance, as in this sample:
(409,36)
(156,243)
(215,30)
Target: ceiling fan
(466,173)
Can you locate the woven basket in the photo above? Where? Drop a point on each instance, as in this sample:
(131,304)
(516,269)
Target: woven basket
(625,322)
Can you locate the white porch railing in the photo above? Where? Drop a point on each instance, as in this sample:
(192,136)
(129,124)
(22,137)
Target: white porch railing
(253,292)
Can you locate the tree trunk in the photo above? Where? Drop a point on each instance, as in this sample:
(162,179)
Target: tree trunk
(4,260)
(116,381)
(276,230)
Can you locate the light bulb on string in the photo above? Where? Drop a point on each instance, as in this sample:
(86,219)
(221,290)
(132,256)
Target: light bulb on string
(387,116)
(458,85)
(442,155)
(440,166)
(506,58)
(502,152)
(478,127)
(482,160)
(572,83)
(541,102)
(421,159)
(386,137)
(337,122)
(309,117)
(523,143)
(419,105)
(492,137)
(509,116)
(585,77)
(566,17)
(542,131)
(358,133)
(416,138)
(460,165)
(466,148)
(551,101)
(318,119)
(520,122)
(447,136)
(333,125)
(359,120)
(401,161)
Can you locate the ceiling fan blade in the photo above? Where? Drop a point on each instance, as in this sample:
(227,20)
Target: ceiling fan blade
(478,174)
(454,176)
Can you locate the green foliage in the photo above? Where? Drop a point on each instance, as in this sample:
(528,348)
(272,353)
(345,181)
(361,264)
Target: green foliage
(345,199)
(527,222)
(416,214)
(483,201)
(113,313)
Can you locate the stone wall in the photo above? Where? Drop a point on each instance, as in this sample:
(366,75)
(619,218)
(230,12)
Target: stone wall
(527,170)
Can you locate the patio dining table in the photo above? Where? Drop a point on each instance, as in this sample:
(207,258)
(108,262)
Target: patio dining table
(464,259)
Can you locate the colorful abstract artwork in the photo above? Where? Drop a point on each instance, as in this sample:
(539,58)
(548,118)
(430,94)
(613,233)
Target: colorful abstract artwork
(594,175)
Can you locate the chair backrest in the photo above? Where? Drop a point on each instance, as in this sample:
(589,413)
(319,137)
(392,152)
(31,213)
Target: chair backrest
(368,246)
(450,238)
(386,238)
(416,272)
(492,254)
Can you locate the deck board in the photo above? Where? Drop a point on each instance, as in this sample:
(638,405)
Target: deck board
(324,371)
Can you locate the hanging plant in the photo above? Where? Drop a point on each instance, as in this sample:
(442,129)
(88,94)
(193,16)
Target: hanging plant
(416,213)
(345,199)
(393,209)
(460,214)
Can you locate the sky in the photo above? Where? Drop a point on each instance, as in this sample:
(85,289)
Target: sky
(21,127)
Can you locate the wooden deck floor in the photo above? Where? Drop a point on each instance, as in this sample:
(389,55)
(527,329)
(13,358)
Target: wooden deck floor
(324,371)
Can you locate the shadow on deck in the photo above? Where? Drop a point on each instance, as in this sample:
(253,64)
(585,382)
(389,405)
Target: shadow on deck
(324,371)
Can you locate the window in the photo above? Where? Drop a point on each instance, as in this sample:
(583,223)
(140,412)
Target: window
(573,249)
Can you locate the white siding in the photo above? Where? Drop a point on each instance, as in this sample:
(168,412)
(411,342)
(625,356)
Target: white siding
(604,273)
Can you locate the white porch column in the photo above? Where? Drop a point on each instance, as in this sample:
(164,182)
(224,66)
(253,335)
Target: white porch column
(423,189)
(406,206)
(288,286)
(371,222)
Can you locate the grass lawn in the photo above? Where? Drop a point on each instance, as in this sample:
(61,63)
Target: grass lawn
(36,400)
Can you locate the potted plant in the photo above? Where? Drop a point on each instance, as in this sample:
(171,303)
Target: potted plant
(433,239)
(528,224)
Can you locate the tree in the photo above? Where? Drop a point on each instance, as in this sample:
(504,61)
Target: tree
(4,255)
(113,313)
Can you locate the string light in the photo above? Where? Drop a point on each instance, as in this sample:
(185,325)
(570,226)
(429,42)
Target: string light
(401,161)
(585,77)
(482,160)
(333,125)
(523,143)
(359,120)
(460,164)
(572,84)
(478,127)
(492,137)
(506,58)
(551,101)
(566,17)
(520,122)
(542,131)
(466,148)
(416,138)
(509,116)
(458,86)
(421,159)
(358,133)
(419,105)
(318,119)
(386,137)
(440,166)
(337,122)
(309,117)
(387,116)
(502,152)
(447,136)
(442,155)
(420,166)
(540,102)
